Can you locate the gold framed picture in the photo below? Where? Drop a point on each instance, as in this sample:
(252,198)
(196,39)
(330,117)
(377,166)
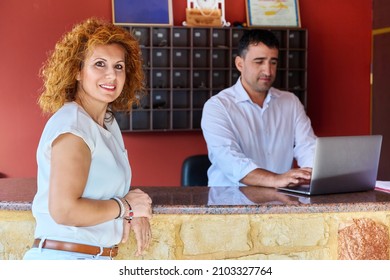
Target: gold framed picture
(273,13)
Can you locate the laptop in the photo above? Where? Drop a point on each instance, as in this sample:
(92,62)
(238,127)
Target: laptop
(343,164)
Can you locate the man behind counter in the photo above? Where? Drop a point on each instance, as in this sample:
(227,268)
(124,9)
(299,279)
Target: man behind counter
(254,131)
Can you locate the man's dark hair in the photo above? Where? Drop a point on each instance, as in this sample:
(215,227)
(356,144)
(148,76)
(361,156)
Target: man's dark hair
(255,36)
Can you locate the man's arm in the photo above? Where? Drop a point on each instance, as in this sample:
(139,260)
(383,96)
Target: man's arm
(264,178)
(223,145)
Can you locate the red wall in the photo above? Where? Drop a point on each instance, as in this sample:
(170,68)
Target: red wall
(338,79)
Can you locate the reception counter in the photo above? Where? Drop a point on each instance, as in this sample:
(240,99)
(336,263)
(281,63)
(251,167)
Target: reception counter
(231,223)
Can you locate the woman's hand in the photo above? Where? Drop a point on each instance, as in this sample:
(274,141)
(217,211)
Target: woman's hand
(142,231)
(140,203)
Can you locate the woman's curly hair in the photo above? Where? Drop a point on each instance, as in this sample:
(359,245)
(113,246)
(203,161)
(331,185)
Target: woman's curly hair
(61,68)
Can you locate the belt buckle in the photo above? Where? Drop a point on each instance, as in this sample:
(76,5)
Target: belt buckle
(113,251)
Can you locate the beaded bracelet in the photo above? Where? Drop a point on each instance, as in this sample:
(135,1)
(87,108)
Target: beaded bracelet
(130,212)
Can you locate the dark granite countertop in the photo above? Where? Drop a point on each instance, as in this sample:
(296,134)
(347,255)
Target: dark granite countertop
(18,193)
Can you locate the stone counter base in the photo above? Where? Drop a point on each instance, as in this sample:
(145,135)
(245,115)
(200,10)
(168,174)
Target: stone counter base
(320,236)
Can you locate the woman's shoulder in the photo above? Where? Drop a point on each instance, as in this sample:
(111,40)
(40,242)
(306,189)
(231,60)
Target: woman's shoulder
(70,114)
(69,118)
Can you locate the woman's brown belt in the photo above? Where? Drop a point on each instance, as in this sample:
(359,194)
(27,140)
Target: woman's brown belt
(77,248)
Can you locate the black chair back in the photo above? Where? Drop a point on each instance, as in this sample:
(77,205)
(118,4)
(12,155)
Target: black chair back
(194,171)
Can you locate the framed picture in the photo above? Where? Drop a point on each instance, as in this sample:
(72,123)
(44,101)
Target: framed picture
(273,13)
(142,12)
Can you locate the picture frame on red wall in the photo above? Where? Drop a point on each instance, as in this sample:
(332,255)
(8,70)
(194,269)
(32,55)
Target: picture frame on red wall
(142,12)
(273,13)
(205,13)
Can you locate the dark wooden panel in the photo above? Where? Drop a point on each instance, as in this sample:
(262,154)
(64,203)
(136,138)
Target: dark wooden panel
(381,99)
(381,11)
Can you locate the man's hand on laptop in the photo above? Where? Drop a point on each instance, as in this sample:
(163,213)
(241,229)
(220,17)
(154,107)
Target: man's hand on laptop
(293,177)
(265,178)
